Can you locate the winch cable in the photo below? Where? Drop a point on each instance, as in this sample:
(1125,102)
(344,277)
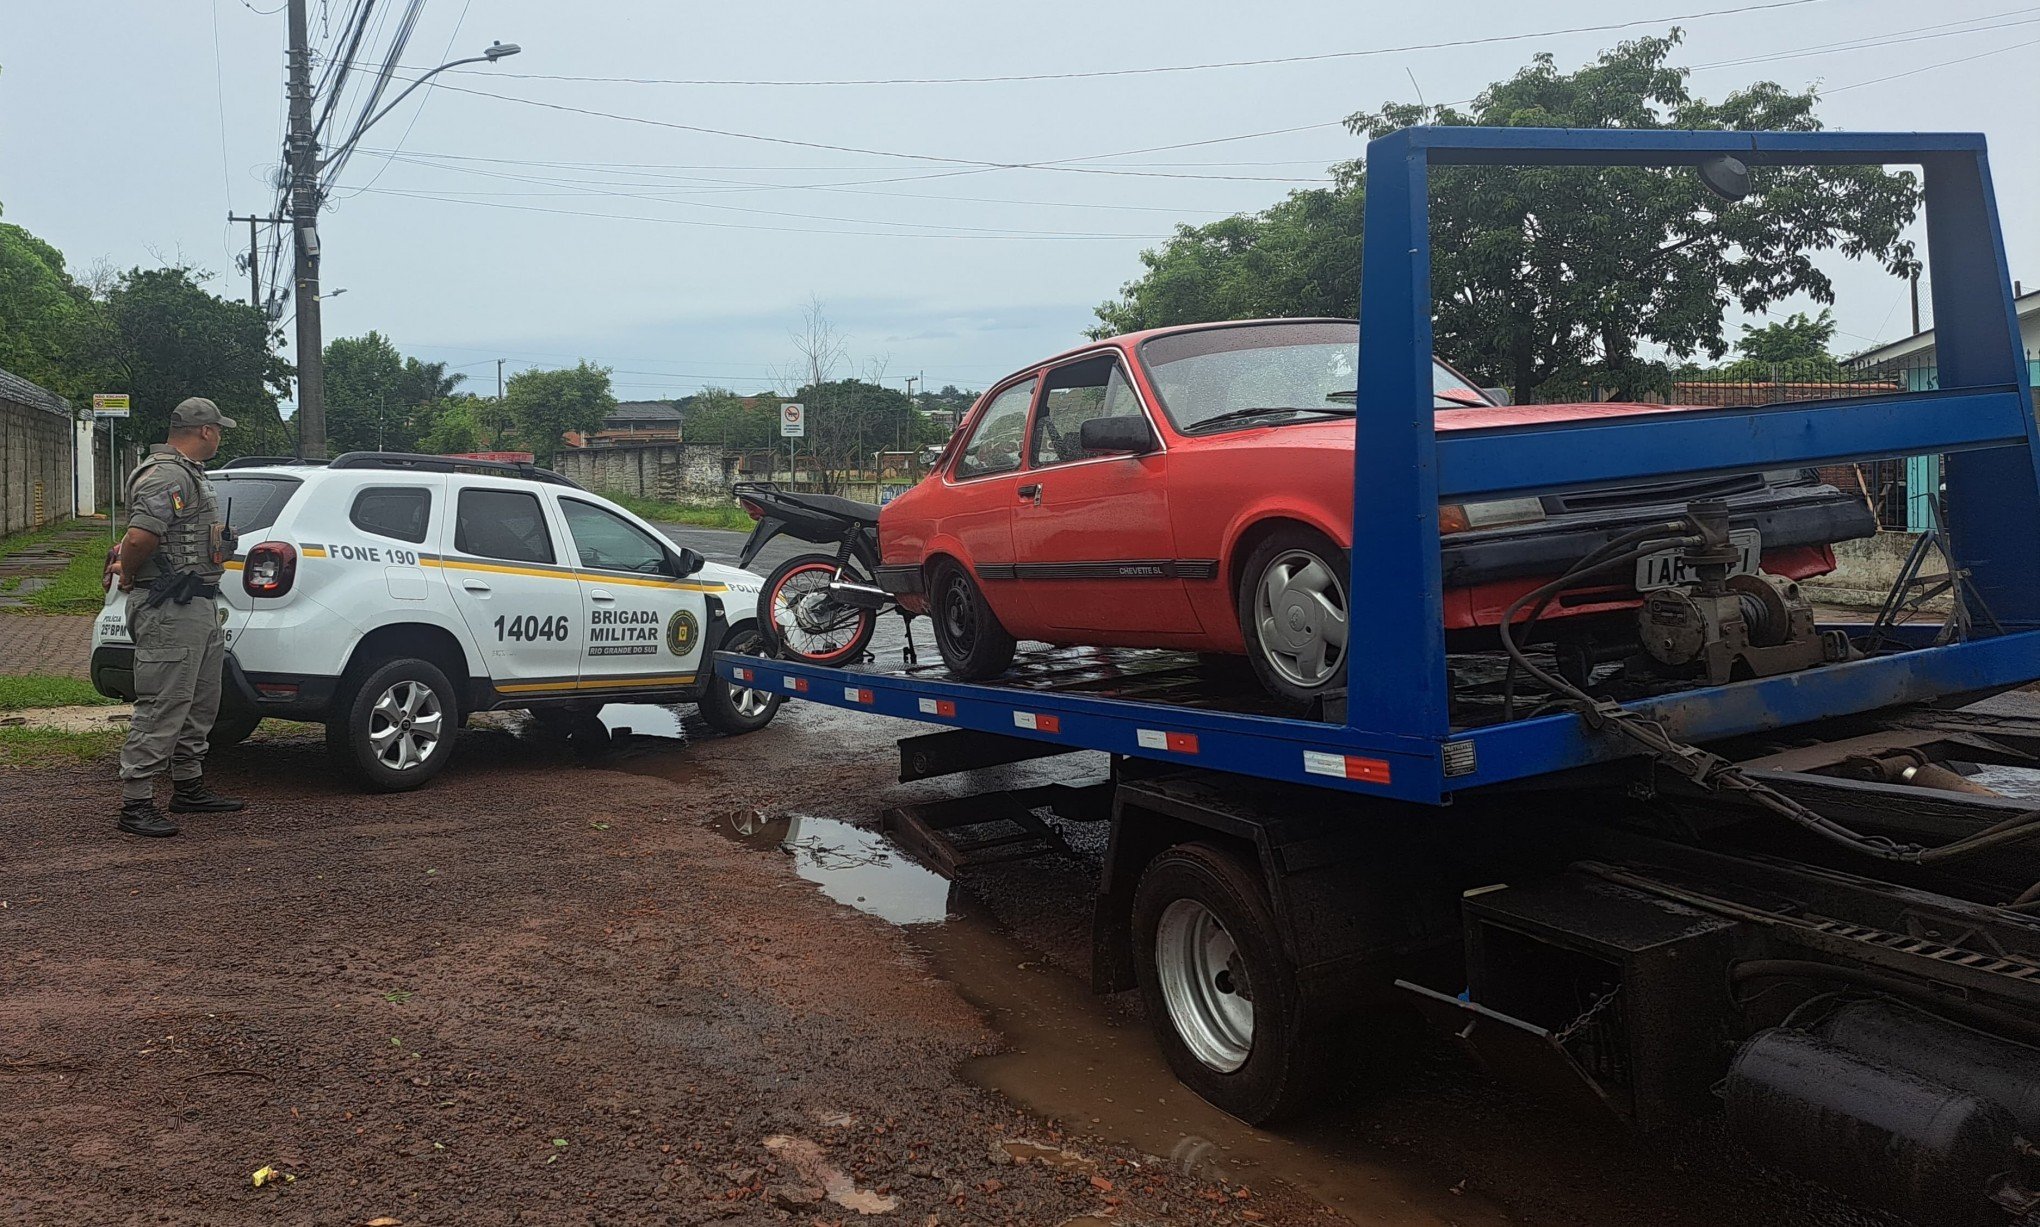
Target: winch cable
(1708,770)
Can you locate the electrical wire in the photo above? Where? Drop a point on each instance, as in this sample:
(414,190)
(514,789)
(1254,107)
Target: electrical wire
(1318,57)
(1913,72)
(384,168)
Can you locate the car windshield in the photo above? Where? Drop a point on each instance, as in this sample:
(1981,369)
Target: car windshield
(1260,374)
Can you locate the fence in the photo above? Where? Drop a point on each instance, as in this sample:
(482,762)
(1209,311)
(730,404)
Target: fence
(1898,488)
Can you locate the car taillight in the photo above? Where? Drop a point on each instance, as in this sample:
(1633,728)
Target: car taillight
(751,509)
(1457,518)
(270,570)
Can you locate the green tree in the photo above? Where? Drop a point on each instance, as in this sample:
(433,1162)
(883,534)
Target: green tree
(547,404)
(41,312)
(850,421)
(1793,339)
(1552,278)
(720,417)
(160,337)
(457,427)
(365,408)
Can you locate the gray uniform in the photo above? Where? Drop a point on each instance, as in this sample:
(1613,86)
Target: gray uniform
(179,649)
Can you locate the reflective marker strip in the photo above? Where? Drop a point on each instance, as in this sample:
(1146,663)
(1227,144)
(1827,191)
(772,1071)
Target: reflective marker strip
(1156,739)
(1040,724)
(855,695)
(795,683)
(1346,767)
(937,707)
(741,674)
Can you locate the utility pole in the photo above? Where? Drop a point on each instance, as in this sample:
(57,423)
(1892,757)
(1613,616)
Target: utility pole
(254,255)
(304,225)
(1916,301)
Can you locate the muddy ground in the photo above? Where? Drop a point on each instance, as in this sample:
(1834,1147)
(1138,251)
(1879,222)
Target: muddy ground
(553,990)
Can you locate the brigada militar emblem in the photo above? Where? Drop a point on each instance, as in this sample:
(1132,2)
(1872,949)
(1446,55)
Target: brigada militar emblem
(681,632)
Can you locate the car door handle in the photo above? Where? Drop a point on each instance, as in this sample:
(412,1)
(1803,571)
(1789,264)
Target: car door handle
(597,594)
(1031,494)
(474,585)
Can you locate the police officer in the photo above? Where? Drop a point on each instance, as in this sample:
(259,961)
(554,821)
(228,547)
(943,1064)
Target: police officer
(169,563)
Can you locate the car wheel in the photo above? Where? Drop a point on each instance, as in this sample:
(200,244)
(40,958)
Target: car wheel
(579,726)
(973,644)
(731,708)
(1219,993)
(396,728)
(232,730)
(1293,614)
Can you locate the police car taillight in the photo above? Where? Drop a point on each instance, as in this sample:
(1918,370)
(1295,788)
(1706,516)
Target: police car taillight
(270,569)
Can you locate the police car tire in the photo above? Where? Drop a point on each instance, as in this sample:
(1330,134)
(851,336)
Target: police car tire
(232,730)
(347,735)
(718,705)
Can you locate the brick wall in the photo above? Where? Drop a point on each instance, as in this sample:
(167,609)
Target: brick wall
(35,456)
(669,472)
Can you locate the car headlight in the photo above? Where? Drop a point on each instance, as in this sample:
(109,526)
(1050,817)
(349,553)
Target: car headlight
(1458,517)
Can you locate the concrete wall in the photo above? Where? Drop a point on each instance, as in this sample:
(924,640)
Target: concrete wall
(35,456)
(1865,569)
(669,472)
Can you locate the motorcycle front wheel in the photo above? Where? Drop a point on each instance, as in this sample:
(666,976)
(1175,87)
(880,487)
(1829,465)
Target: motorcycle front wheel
(805,622)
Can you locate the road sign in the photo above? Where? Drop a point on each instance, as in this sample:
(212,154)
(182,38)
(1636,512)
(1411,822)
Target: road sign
(109,404)
(792,421)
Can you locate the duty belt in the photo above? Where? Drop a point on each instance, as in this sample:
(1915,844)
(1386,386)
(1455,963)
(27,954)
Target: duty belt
(178,588)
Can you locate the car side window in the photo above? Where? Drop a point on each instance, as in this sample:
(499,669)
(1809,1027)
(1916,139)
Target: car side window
(608,542)
(393,511)
(505,524)
(1075,394)
(994,445)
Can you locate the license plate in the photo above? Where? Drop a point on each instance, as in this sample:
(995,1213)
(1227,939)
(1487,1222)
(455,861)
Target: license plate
(1668,569)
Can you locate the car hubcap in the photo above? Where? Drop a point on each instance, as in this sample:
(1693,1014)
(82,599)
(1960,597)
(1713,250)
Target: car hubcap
(1300,612)
(749,701)
(404,726)
(1204,982)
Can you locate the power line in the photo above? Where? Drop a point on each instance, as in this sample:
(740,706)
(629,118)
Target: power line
(1180,68)
(1889,39)
(1911,72)
(447,53)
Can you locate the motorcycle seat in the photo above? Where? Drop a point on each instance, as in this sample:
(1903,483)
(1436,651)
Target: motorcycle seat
(829,504)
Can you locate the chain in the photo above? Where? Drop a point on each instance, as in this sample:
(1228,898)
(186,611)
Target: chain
(1593,1011)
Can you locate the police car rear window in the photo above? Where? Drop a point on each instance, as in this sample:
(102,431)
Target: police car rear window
(251,504)
(393,511)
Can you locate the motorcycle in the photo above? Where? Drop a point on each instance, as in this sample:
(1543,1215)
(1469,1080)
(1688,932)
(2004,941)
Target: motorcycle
(820,607)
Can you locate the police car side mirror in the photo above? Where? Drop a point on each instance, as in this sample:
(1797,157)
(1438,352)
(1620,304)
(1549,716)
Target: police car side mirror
(686,562)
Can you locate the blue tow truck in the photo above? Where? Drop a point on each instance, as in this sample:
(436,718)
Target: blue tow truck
(1775,889)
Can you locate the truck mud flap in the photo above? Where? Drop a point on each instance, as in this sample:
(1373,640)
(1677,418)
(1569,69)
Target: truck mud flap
(1517,1052)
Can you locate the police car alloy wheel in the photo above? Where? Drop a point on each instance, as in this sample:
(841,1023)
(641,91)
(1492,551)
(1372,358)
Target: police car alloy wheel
(405,724)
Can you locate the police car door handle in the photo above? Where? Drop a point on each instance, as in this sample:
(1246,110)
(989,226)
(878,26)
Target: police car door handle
(474,585)
(597,594)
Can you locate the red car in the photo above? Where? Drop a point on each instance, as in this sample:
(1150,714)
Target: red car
(1192,488)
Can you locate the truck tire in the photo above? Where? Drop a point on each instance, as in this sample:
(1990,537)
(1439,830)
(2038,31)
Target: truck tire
(1220,994)
(974,645)
(729,708)
(394,729)
(1293,614)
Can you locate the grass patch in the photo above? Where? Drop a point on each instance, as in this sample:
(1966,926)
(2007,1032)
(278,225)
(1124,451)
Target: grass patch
(30,538)
(78,588)
(25,748)
(19,692)
(701,515)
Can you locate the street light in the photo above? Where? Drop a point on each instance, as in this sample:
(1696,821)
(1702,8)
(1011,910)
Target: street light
(307,195)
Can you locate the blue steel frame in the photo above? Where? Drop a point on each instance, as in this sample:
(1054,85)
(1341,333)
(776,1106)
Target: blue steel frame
(1398,734)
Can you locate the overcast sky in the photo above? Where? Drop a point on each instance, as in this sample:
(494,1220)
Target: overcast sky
(129,128)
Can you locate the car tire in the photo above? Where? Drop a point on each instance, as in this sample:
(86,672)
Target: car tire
(1293,613)
(973,643)
(1219,993)
(579,727)
(731,709)
(232,730)
(379,732)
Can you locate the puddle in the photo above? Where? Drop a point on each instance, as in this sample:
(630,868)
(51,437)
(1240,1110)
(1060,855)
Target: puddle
(852,865)
(643,720)
(2021,782)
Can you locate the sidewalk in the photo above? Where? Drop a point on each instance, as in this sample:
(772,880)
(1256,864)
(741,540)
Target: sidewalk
(51,645)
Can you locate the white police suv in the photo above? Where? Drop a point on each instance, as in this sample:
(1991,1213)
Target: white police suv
(388,596)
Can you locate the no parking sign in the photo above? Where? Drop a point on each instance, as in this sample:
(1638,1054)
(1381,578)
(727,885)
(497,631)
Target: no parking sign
(792,421)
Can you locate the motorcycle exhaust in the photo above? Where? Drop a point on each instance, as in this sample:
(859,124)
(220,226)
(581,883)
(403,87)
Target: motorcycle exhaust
(858,596)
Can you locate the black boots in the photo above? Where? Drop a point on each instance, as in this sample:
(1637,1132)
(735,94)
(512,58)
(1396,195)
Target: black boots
(141,818)
(193,797)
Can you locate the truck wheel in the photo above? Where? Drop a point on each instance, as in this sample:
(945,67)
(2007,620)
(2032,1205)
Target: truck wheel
(973,644)
(395,729)
(1293,614)
(729,708)
(232,730)
(1220,994)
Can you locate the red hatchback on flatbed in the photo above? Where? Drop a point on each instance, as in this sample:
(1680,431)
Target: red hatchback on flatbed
(1192,488)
